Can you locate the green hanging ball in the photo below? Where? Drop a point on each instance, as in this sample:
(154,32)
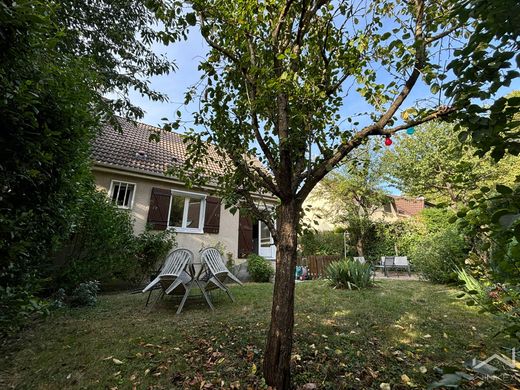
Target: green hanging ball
(410,131)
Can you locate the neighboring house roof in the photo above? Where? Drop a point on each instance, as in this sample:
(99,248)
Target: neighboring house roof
(132,149)
(409,206)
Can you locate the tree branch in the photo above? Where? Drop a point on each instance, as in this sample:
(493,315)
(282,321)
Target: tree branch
(441,112)
(328,164)
(441,35)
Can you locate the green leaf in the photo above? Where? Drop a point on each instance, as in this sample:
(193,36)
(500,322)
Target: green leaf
(463,136)
(504,190)
(499,214)
(191,19)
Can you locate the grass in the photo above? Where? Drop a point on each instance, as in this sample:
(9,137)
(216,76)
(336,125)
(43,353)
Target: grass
(343,340)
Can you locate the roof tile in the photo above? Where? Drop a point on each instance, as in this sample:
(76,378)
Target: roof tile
(121,149)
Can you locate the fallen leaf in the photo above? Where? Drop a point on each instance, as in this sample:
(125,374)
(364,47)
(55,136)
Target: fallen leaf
(427,336)
(423,370)
(146,372)
(405,378)
(385,386)
(107,358)
(117,361)
(253,369)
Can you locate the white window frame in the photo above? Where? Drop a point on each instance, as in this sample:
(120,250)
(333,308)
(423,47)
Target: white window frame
(187,196)
(111,193)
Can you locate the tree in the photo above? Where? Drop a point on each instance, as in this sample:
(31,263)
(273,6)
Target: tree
(58,62)
(433,163)
(278,84)
(353,191)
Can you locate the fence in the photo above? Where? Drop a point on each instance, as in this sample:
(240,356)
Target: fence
(317,264)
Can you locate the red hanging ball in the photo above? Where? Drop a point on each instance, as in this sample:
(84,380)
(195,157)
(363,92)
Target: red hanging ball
(388,141)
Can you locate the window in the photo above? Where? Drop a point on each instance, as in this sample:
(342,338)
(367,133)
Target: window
(122,194)
(186,212)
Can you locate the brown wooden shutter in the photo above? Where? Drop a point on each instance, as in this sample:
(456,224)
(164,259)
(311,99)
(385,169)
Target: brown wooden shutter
(245,235)
(212,216)
(159,207)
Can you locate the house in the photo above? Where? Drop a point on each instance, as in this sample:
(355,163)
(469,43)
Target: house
(400,207)
(132,170)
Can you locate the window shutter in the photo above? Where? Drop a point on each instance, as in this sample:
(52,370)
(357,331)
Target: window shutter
(245,235)
(212,216)
(159,207)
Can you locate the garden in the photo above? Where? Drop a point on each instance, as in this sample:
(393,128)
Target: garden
(345,103)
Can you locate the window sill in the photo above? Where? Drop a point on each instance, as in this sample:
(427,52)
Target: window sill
(186,231)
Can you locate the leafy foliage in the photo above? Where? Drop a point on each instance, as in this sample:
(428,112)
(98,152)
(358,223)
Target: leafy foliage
(502,300)
(259,268)
(350,274)
(151,250)
(437,255)
(433,163)
(321,243)
(85,294)
(482,67)
(59,63)
(492,220)
(102,246)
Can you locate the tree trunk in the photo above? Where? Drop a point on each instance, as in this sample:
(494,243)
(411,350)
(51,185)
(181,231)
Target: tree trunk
(359,246)
(279,340)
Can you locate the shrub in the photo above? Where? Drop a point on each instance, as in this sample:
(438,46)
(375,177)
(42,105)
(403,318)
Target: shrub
(259,268)
(83,295)
(350,274)
(437,255)
(151,249)
(102,246)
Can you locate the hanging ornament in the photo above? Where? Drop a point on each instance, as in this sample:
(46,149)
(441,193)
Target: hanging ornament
(410,131)
(388,141)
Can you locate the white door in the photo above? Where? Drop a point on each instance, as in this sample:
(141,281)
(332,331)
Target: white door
(266,246)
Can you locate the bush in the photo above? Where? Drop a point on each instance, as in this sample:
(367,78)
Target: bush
(321,243)
(350,274)
(83,295)
(102,246)
(437,256)
(151,249)
(259,268)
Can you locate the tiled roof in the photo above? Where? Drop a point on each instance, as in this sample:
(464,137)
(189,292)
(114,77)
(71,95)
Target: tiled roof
(408,206)
(132,149)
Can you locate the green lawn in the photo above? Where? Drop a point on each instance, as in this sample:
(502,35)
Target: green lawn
(343,340)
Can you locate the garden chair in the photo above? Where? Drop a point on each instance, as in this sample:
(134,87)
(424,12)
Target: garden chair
(402,263)
(388,263)
(216,272)
(173,278)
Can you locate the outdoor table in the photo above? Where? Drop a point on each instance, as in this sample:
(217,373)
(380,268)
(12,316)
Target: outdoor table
(191,269)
